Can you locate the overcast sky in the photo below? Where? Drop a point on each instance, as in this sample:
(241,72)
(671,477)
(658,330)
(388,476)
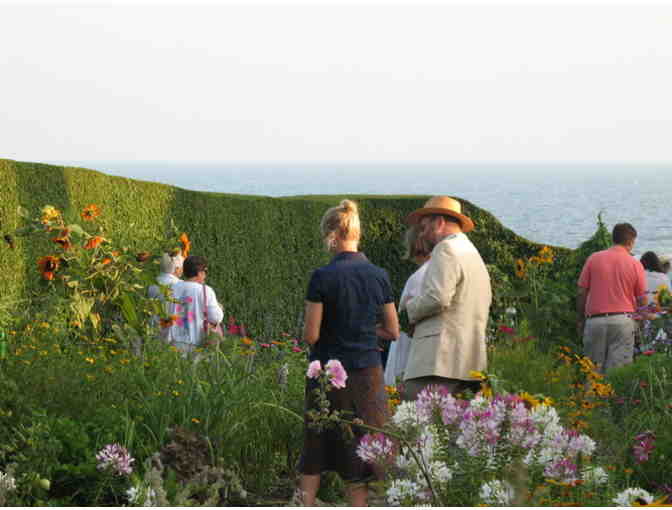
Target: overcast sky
(377,82)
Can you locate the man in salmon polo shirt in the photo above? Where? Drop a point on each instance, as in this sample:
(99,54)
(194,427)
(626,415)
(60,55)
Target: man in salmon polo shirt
(611,287)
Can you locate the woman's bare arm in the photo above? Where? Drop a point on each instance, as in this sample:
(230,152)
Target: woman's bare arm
(312,322)
(389,330)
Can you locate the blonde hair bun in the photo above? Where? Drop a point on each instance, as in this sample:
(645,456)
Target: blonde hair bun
(341,221)
(349,206)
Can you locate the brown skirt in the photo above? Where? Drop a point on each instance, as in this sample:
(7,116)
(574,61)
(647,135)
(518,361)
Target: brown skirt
(363,397)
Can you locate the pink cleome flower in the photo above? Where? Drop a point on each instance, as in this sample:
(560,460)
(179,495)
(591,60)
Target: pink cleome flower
(116,458)
(375,448)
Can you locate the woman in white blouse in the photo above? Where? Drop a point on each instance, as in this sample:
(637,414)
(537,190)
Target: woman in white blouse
(417,251)
(194,301)
(655,274)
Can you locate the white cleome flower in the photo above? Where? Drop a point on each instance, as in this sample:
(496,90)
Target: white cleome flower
(402,490)
(439,471)
(630,496)
(544,416)
(497,493)
(7,482)
(406,415)
(594,476)
(405,461)
(132,495)
(135,496)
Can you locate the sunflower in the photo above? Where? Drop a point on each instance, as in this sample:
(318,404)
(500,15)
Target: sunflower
(529,400)
(48,266)
(90,212)
(49,214)
(663,297)
(520,268)
(186,244)
(94,242)
(546,255)
(143,256)
(63,239)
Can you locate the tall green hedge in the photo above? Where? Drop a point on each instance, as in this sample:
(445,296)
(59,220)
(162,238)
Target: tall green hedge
(261,250)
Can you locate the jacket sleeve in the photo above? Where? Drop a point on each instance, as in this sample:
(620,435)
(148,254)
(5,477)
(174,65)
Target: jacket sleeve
(438,286)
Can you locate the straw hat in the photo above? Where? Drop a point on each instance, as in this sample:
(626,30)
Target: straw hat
(442,205)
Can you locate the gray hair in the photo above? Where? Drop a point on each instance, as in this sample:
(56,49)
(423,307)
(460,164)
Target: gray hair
(170,264)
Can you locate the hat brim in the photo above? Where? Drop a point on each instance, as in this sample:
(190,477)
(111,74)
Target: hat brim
(465,221)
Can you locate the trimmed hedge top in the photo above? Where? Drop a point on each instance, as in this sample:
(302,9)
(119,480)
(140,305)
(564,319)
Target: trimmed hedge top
(261,250)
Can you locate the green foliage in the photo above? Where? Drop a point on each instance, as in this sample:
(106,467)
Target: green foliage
(524,367)
(600,240)
(261,250)
(642,404)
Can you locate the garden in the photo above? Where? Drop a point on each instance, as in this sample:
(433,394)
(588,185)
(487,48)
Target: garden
(96,410)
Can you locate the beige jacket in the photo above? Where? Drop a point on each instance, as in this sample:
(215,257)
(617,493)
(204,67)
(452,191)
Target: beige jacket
(451,313)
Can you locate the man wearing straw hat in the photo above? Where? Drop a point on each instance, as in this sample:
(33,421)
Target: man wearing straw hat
(450,314)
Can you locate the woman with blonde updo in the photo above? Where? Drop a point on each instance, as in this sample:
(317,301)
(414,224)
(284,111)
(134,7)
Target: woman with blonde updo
(343,301)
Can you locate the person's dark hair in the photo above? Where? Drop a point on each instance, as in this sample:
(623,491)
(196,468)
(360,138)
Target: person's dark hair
(193,264)
(623,233)
(651,262)
(415,245)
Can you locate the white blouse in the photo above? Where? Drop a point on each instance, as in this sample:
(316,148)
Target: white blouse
(654,280)
(189,310)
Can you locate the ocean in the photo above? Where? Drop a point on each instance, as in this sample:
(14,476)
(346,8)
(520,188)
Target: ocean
(554,204)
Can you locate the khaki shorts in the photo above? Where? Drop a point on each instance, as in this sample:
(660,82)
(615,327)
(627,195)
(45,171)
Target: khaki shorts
(609,341)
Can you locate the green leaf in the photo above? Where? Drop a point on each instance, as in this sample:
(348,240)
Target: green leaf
(128,310)
(76,229)
(95,320)
(22,211)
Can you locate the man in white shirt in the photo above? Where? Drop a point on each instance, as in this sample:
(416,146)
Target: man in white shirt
(170,271)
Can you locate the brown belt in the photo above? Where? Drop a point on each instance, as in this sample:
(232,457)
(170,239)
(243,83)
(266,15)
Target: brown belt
(608,314)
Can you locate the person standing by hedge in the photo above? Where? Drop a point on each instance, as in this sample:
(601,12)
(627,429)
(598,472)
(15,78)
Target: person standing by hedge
(170,271)
(611,286)
(193,300)
(417,250)
(450,314)
(343,300)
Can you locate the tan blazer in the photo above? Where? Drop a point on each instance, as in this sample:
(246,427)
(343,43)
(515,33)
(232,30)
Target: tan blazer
(451,313)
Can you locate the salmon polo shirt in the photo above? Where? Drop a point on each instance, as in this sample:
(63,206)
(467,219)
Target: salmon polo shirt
(614,280)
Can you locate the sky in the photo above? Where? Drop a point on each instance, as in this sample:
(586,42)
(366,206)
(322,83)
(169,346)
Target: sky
(382,81)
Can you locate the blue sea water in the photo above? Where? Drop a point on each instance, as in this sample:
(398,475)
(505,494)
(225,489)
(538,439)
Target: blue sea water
(555,204)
